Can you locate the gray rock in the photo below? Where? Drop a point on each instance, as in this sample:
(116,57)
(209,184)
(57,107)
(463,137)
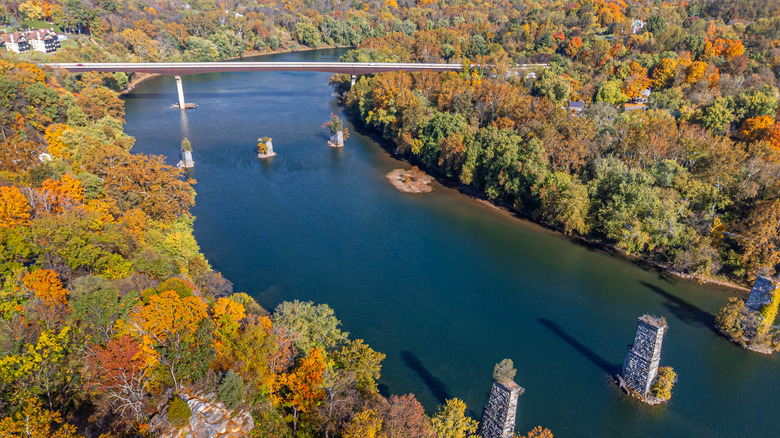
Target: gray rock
(210,419)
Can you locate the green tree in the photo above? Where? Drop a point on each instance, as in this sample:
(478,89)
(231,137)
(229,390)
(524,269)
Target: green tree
(97,305)
(363,363)
(611,92)
(316,325)
(564,202)
(552,85)
(307,34)
(432,133)
(232,390)
(718,116)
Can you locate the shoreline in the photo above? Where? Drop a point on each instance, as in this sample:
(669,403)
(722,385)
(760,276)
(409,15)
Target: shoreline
(140,77)
(481,197)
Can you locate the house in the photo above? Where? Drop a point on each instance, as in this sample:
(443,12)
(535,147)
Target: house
(43,40)
(576,108)
(634,106)
(637,25)
(15,42)
(644,95)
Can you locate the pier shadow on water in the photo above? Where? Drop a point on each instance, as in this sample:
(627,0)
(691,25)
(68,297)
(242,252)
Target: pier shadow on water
(687,312)
(609,368)
(436,386)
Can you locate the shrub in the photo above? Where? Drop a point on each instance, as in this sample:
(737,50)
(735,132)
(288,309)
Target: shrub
(504,371)
(662,388)
(729,319)
(179,412)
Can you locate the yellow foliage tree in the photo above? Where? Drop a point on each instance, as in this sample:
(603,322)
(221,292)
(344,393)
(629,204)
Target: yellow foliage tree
(365,424)
(756,128)
(36,421)
(53,135)
(538,432)
(664,73)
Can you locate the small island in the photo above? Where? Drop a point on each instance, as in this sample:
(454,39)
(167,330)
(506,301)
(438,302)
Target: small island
(750,323)
(413,180)
(265,147)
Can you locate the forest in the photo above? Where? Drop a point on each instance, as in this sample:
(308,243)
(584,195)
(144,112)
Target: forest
(111,315)
(670,150)
(97,255)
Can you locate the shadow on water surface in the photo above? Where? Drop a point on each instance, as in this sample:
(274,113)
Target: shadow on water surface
(436,386)
(687,312)
(610,369)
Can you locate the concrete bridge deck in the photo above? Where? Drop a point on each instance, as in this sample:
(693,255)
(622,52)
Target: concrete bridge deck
(179,69)
(191,68)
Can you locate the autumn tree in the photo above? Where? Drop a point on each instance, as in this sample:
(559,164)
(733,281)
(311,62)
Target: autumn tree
(14,208)
(362,362)
(145,182)
(50,298)
(168,329)
(537,432)
(762,236)
(121,372)
(403,416)
(450,420)
(36,421)
(366,424)
(301,389)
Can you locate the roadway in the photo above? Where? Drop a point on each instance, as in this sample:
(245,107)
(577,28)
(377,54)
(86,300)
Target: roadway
(191,68)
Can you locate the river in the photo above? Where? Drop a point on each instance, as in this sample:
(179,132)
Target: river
(443,284)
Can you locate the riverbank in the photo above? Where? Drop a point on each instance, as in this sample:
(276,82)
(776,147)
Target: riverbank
(590,242)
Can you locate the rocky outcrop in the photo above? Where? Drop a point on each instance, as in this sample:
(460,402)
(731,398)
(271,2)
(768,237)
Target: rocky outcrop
(210,419)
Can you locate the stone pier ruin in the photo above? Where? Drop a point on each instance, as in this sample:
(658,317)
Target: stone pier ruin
(641,365)
(761,295)
(498,415)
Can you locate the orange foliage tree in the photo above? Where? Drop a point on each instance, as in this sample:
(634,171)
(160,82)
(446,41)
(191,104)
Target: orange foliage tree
(120,372)
(301,389)
(14,208)
(51,298)
(167,326)
(63,193)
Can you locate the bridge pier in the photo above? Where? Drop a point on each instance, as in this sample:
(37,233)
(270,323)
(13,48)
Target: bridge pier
(180,89)
(353,79)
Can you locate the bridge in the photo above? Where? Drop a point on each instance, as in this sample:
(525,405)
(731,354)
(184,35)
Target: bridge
(178,69)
